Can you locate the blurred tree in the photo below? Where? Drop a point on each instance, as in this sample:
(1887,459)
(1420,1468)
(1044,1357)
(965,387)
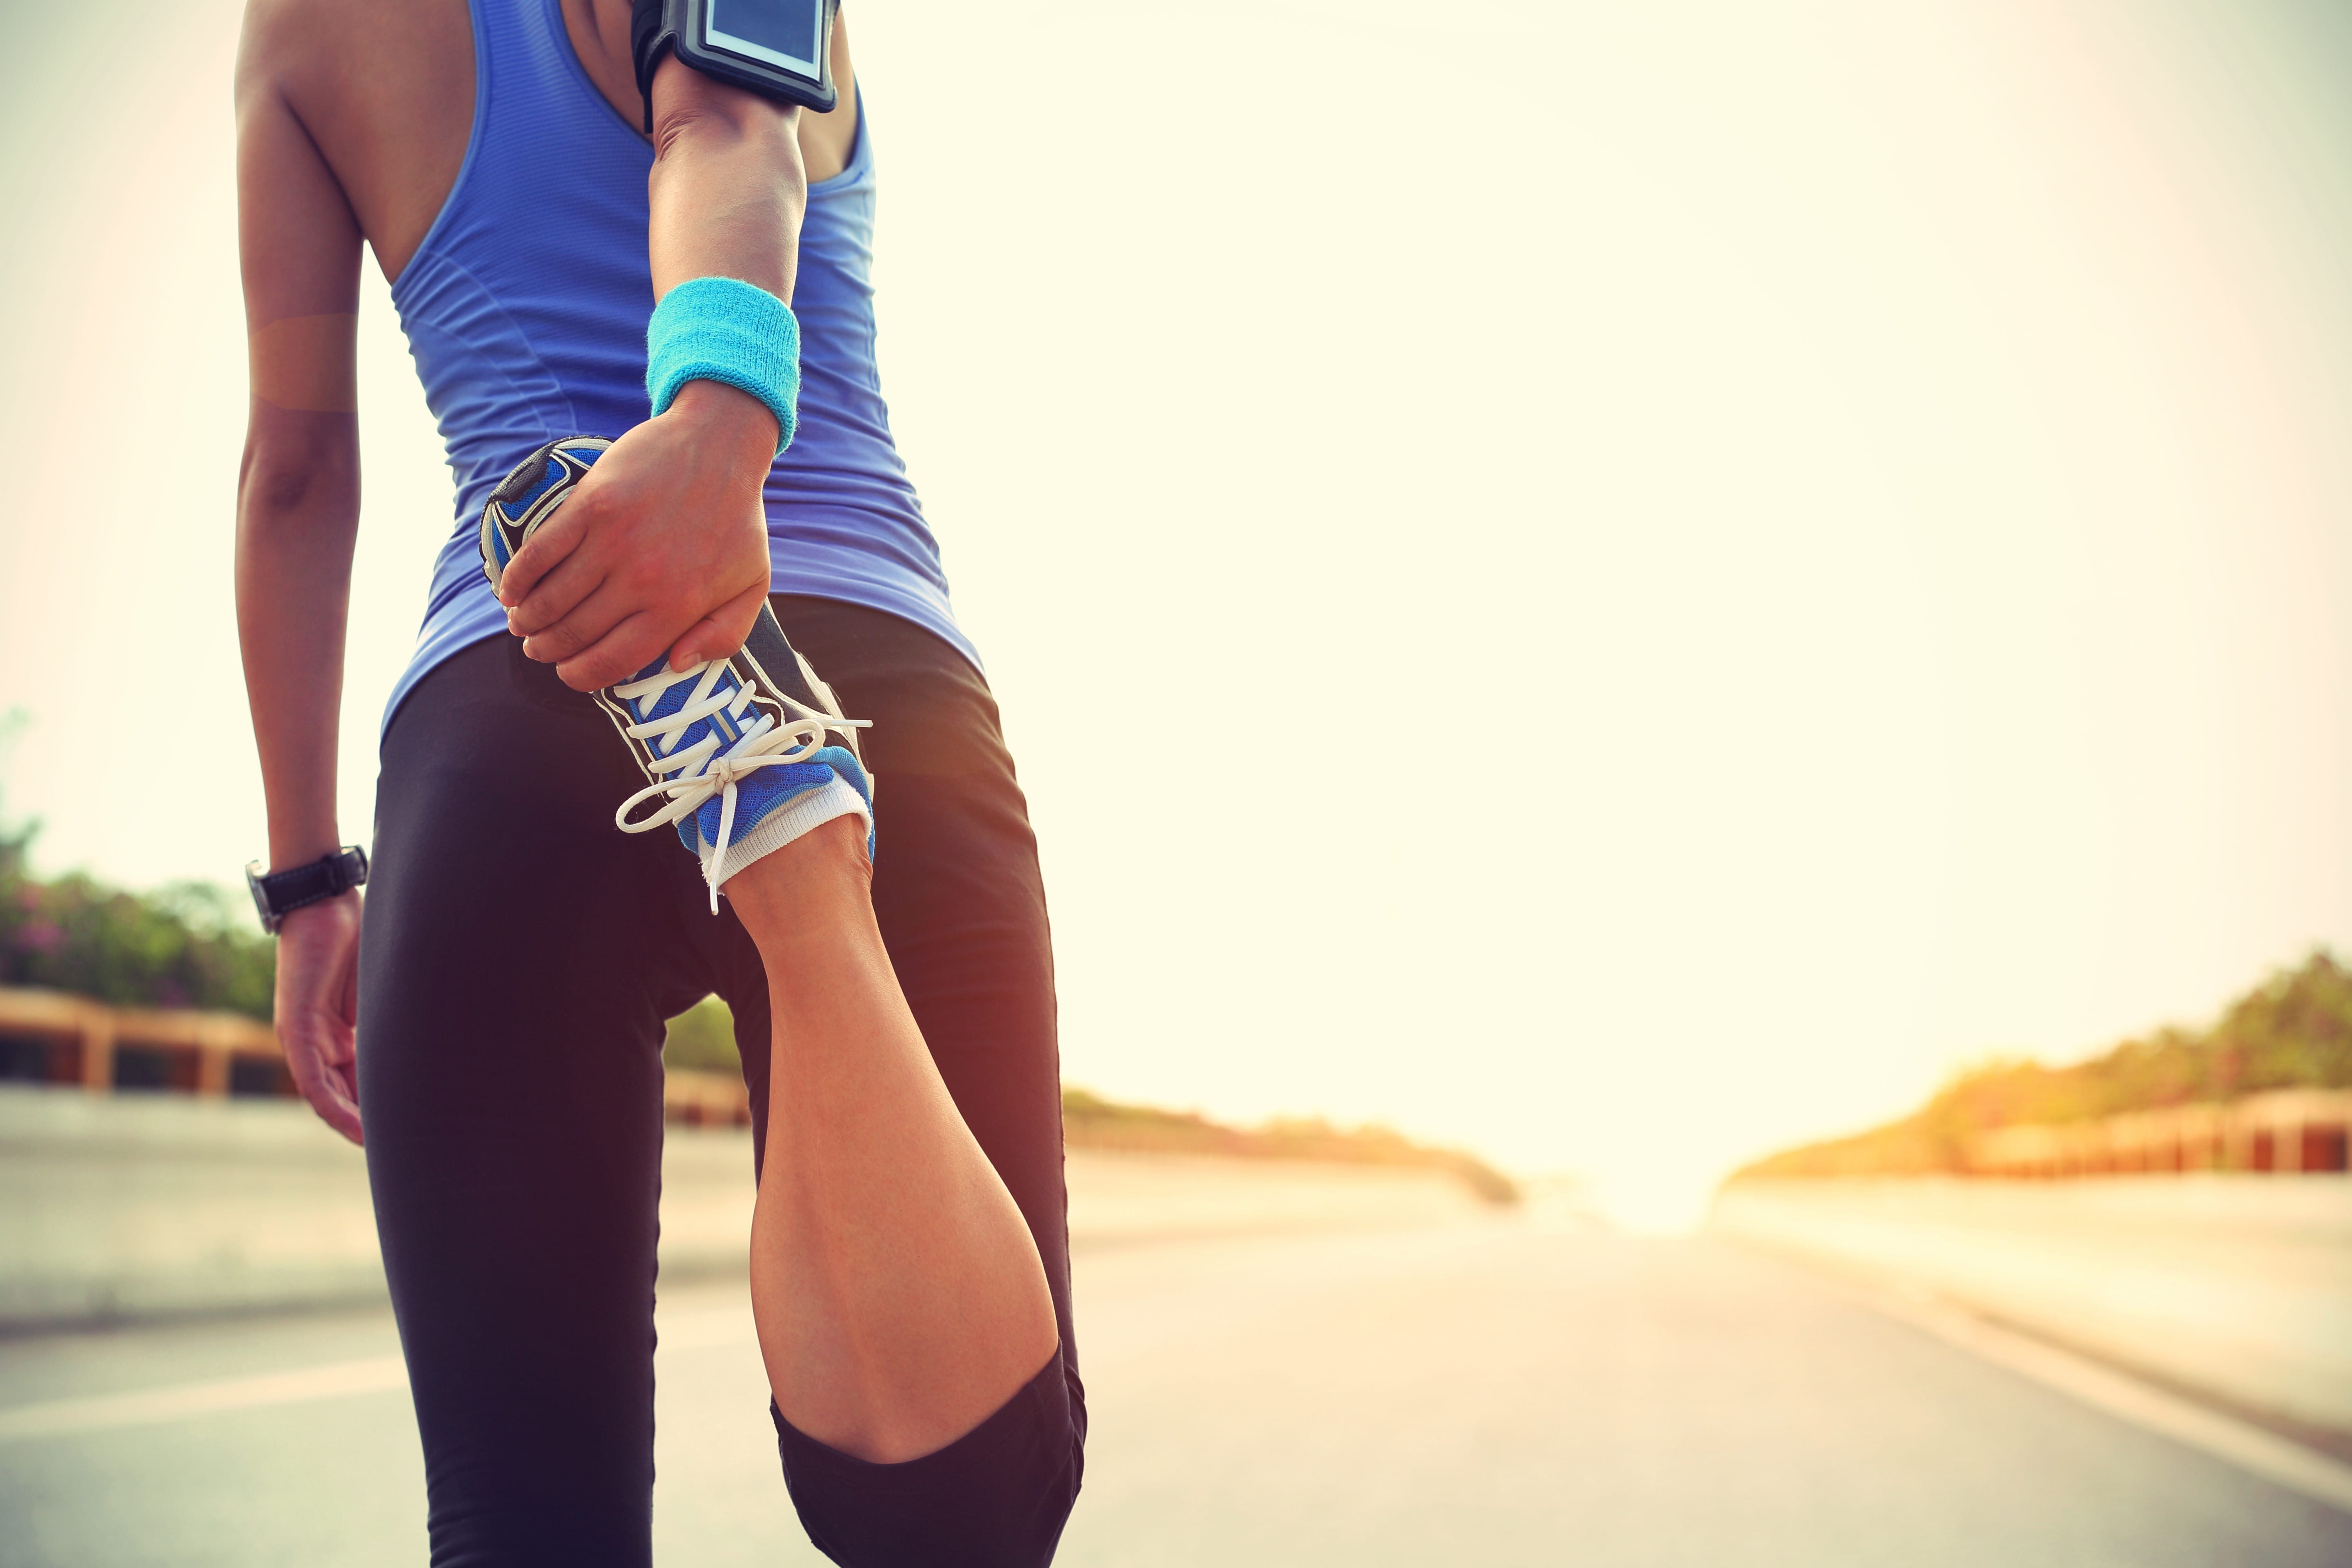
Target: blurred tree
(189,944)
(2292,1031)
(702,1039)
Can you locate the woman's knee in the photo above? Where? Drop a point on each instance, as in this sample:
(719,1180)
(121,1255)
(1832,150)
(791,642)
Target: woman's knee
(997,1496)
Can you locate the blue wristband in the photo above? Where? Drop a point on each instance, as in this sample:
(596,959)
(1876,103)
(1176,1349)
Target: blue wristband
(724,330)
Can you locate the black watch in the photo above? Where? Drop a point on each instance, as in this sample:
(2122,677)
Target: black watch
(280,893)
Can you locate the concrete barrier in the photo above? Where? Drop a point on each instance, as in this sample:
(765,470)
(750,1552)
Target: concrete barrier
(122,1206)
(126,1205)
(133,1206)
(2238,1285)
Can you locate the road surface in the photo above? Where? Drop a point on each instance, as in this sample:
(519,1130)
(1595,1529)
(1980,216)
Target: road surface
(1498,1392)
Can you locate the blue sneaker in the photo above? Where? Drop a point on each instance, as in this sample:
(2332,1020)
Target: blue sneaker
(735,749)
(738,748)
(529,495)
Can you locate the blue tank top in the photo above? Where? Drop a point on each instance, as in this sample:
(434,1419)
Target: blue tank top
(525,309)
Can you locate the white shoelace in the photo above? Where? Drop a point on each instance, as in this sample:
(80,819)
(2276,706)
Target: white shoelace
(701,771)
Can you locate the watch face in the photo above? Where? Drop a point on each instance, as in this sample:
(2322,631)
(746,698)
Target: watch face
(260,894)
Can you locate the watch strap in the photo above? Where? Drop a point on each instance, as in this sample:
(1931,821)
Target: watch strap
(328,877)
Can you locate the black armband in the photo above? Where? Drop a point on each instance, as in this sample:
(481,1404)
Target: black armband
(781,49)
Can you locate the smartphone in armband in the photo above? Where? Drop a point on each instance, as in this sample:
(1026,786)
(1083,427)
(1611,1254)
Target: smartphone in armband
(778,48)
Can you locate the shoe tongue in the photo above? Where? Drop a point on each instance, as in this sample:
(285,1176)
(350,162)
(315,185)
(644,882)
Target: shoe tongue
(673,694)
(680,689)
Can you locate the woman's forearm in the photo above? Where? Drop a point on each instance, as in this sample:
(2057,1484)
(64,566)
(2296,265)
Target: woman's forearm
(297,520)
(665,547)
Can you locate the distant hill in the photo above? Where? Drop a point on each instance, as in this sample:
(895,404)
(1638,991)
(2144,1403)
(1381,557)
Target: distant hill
(1090,1121)
(703,1038)
(195,945)
(2293,1031)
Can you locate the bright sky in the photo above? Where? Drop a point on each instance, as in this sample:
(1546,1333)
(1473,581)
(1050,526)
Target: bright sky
(1620,586)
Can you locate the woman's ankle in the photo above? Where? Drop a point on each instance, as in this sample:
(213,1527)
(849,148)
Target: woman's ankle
(824,873)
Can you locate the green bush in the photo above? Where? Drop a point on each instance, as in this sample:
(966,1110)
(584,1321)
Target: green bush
(186,945)
(702,1038)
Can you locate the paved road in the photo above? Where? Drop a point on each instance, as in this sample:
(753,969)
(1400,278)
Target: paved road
(1477,1393)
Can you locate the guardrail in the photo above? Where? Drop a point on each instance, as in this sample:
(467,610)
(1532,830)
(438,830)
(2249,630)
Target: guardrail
(2283,1132)
(84,1036)
(218,1053)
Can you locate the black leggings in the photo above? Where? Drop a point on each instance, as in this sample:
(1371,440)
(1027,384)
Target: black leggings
(519,956)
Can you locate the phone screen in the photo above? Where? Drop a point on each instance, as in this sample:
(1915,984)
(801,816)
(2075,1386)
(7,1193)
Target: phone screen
(784,33)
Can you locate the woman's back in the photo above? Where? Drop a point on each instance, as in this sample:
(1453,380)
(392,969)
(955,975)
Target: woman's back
(525,305)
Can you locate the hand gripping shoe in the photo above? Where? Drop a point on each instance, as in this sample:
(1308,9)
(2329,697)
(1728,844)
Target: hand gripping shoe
(735,749)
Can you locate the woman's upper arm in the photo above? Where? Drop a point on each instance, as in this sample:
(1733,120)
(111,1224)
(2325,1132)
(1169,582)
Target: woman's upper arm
(298,242)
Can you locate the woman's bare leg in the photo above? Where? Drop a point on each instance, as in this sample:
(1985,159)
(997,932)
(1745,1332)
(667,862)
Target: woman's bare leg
(898,1292)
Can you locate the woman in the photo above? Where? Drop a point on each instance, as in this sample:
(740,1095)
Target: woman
(494,1026)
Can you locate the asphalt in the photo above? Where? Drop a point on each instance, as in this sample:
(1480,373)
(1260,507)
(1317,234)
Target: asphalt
(1481,1393)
